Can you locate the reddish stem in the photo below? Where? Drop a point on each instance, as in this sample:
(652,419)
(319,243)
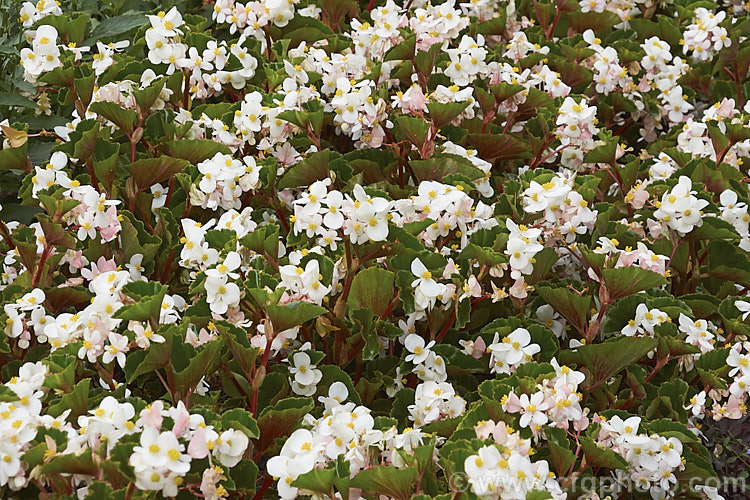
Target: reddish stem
(43,260)
(266,484)
(659,365)
(263,362)
(169,193)
(5,233)
(167,266)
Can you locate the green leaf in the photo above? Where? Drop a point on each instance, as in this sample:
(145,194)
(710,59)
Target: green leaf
(145,98)
(424,60)
(99,489)
(155,357)
(85,146)
(135,238)
(439,167)
(308,121)
(194,150)
(492,147)
(545,260)
(16,100)
(148,296)
(603,361)
(244,475)
(386,480)
(318,481)
(309,170)
(84,87)
(203,363)
(292,314)
(125,119)
(57,208)
(55,234)
(14,158)
(281,419)
(444,113)
(372,289)
(116,26)
(82,464)
(625,281)
(495,26)
(331,374)
(61,375)
(364,320)
(239,345)
(559,449)
(713,228)
(264,241)
(242,420)
(573,306)
(538,495)
(604,153)
(598,21)
(70,28)
(150,171)
(727,262)
(412,129)
(404,51)
(62,77)
(719,141)
(335,10)
(601,457)
(483,255)
(77,401)
(669,346)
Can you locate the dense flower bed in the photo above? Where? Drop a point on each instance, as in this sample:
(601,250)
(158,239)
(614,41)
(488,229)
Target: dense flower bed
(287,248)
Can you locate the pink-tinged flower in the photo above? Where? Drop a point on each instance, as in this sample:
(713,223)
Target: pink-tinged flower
(518,290)
(151,415)
(512,404)
(581,424)
(197,447)
(181,418)
(474,348)
(109,232)
(484,429)
(637,197)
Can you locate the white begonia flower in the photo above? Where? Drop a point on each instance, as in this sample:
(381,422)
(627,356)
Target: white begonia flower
(426,289)
(221,294)
(680,209)
(167,24)
(415,344)
(226,269)
(744,308)
(303,370)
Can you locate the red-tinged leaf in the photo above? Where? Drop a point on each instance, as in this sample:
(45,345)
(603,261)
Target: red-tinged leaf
(150,171)
(71,464)
(498,146)
(625,281)
(603,361)
(572,306)
(125,119)
(280,420)
(58,299)
(372,289)
(601,457)
(194,150)
(386,480)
